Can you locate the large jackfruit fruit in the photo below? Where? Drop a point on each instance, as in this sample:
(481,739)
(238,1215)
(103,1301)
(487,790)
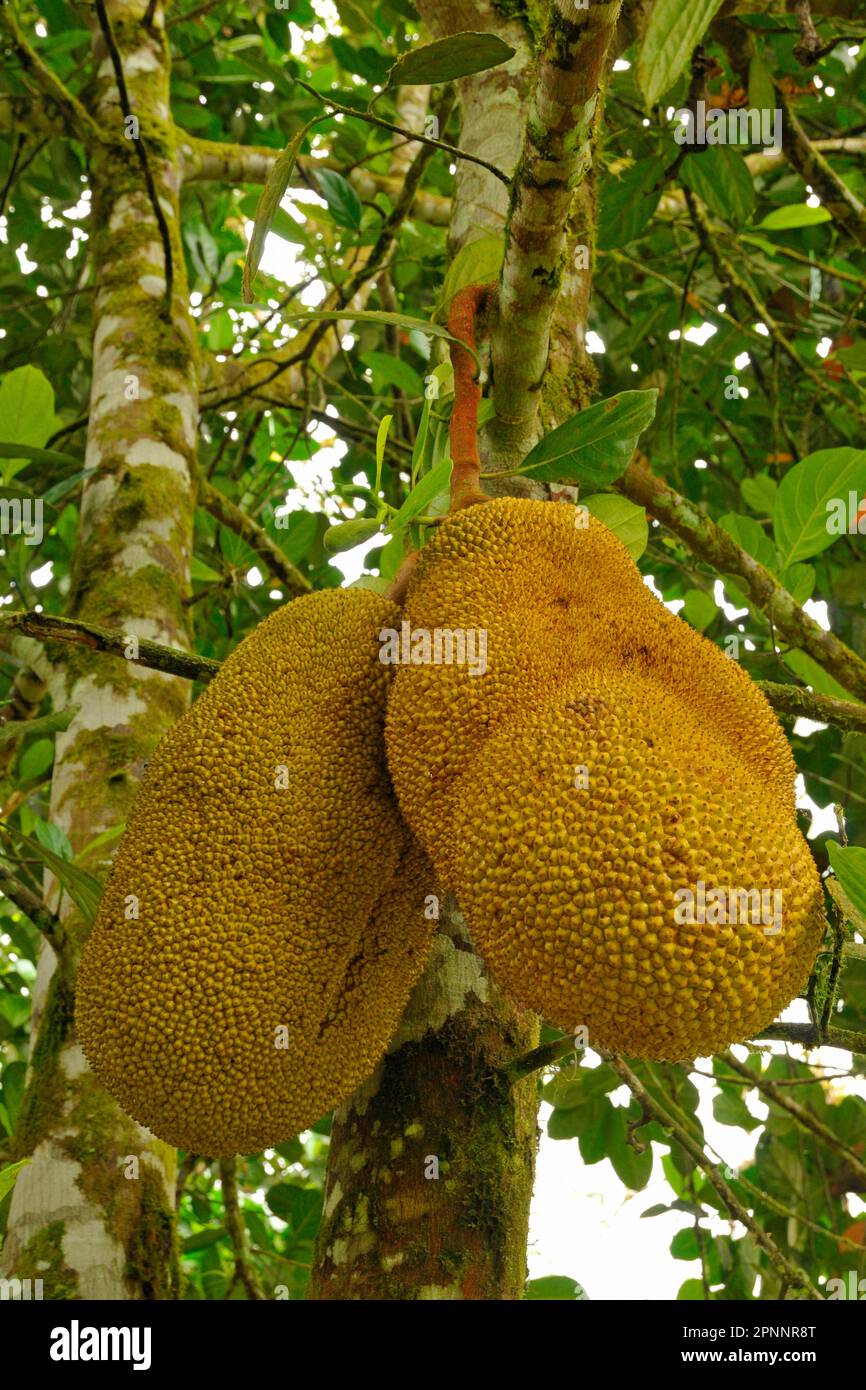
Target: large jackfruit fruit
(690,780)
(263,922)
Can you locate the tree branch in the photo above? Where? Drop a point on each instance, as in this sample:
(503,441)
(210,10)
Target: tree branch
(232,164)
(256,537)
(807,1035)
(710,543)
(48,83)
(43,919)
(842,204)
(49,628)
(244,1272)
(824,709)
(790,1272)
(557,152)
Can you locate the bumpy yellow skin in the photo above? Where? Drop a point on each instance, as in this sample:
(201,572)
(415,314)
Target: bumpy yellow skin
(264,920)
(570,894)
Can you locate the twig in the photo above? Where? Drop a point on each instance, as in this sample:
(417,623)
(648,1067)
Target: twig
(711,543)
(824,709)
(738,1212)
(544,1056)
(233,517)
(237,1230)
(49,628)
(141,153)
(49,83)
(808,1035)
(43,919)
(840,201)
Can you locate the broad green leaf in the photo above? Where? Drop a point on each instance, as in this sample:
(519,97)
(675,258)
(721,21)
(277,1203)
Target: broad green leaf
(751,537)
(699,608)
(692,1291)
(759,493)
(347,534)
(343,202)
(202,1240)
(799,580)
(794,215)
(720,177)
(632,1168)
(391,555)
(45,724)
(84,890)
(444,60)
(628,202)
(477,263)
(9,1174)
(731,1109)
(848,863)
(422,494)
(684,1245)
(10,449)
(36,759)
(627,521)
(812,504)
(762,93)
(594,446)
(388,370)
(555,1286)
(809,671)
(675,28)
(854,358)
(26,413)
(300,1206)
(269,201)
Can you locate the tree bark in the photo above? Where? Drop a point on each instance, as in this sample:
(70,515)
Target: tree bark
(92,1214)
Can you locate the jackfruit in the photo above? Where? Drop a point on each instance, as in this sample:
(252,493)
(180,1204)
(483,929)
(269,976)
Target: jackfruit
(264,920)
(572,891)
(621,872)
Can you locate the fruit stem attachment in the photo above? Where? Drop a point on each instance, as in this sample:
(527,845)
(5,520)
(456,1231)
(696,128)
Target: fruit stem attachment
(466,472)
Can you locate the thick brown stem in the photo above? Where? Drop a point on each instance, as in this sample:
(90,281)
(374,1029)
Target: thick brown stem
(466,473)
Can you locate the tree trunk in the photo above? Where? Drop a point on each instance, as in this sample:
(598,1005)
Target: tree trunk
(92,1214)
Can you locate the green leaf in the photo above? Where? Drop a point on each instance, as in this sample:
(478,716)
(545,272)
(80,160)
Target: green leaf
(10,450)
(343,202)
(349,315)
(848,863)
(720,177)
(731,1109)
(269,201)
(627,521)
(8,1176)
(628,202)
(699,608)
(684,1245)
(794,215)
(554,1286)
(347,534)
(692,1291)
(45,724)
(26,412)
(202,1240)
(675,28)
(805,521)
(282,223)
(751,537)
(632,1168)
(762,93)
(422,494)
(36,759)
(300,1206)
(594,446)
(759,493)
(805,666)
(799,580)
(84,890)
(388,370)
(477,263)
(458,55)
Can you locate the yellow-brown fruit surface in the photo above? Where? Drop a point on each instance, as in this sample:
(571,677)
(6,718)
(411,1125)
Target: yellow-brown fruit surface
(553,600)
(572,892)
(264,920)
(584,832)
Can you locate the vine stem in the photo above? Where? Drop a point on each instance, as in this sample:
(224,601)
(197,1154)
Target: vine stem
(463,432)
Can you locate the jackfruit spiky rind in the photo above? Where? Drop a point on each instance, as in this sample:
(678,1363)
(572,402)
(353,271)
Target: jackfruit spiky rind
(578,828)
(554,599)
(263,922)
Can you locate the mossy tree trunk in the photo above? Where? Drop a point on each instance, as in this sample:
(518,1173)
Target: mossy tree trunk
(92,1214)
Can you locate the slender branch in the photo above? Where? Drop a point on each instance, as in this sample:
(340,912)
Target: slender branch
(807,1035)
(557,153)
(48,83)
(49,628)
(140,150)
(653,1107)
(804,1117)
(258,540)
(45,921)
(840,201)
(824,709)
(708,541)
(466,473)
(368,116)
(539,1057)
(237,1230)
